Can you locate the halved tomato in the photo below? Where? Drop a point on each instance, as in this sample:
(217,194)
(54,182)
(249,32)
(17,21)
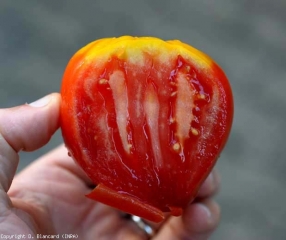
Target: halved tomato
(146,120)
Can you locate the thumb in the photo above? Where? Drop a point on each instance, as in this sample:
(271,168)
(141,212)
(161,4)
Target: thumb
(27,127)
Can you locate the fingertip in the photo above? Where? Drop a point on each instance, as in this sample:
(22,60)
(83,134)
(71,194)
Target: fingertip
(30,126)
(198,222)
(46,116)
(210,186)
(48,100)
(202,217)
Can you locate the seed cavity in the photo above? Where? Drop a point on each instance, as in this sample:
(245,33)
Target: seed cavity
(184,107)
(151,109)
(119,91)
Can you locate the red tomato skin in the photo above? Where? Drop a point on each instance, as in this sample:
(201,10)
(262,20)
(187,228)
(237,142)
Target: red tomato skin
(136,182)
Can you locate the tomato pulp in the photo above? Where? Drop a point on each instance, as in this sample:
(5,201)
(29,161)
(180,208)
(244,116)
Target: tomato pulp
(146,120)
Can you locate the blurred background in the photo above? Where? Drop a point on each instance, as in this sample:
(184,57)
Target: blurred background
(246,38)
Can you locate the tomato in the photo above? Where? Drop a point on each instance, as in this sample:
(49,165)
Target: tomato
(146,120)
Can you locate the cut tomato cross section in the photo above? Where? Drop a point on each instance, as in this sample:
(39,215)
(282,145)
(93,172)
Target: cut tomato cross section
(146,120)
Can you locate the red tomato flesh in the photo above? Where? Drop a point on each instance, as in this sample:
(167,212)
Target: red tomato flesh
(146,135)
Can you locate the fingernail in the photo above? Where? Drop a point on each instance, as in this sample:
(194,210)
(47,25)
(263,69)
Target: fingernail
(205,209)
(41,102)
(211,178)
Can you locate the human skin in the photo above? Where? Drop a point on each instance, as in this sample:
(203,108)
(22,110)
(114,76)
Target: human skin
(48,197)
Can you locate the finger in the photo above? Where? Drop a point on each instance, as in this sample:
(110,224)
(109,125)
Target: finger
(26,127)
(210,186)
(57,158)
(197,223)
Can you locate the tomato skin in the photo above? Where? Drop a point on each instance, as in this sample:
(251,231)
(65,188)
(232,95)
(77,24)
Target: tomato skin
(146,120)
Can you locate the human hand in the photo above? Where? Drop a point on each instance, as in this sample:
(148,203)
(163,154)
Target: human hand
(48,197)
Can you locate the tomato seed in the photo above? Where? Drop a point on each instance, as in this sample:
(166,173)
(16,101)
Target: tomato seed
(103,81)
(176,147)
(195,131)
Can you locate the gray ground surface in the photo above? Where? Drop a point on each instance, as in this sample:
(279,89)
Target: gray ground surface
(247,38)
